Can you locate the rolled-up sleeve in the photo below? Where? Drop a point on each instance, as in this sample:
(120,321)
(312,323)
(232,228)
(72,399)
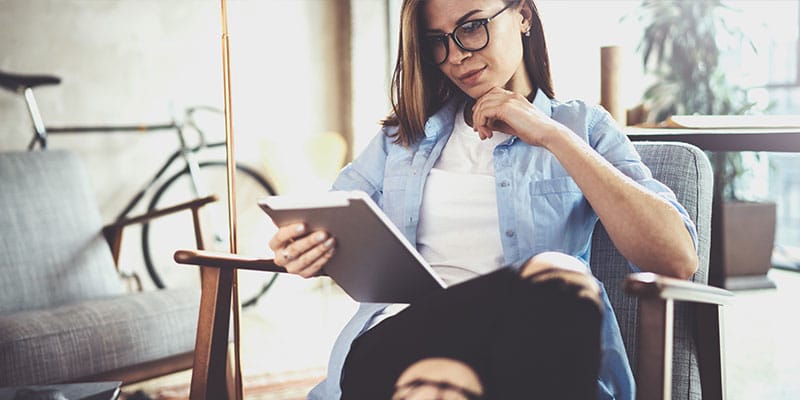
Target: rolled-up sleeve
(608,140)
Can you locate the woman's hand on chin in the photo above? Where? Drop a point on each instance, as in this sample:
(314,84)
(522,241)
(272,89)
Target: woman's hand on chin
(508,112)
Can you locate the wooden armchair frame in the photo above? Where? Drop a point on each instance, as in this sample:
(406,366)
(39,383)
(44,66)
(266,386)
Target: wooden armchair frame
(113,231)
(656,294)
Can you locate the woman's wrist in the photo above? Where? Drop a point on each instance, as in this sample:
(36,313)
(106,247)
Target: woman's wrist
(558,138)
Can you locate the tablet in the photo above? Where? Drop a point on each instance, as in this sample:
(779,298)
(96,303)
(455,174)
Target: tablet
(373,262)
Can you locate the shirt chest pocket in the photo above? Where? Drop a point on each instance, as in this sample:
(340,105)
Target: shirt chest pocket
(562,218)
(394,193)
(555,186)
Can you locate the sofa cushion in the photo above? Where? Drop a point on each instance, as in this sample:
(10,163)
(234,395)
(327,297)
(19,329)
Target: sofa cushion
(87,338)
(52,251)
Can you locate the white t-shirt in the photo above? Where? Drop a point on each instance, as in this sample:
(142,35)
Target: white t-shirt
(459,230)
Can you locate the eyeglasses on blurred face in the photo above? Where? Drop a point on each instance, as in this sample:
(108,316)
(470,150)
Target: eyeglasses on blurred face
(470,36)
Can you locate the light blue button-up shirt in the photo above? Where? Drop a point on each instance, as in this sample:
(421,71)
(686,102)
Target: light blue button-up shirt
(540,208)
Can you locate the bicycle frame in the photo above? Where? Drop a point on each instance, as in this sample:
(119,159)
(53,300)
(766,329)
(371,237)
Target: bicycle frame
(188,154)
(161,181)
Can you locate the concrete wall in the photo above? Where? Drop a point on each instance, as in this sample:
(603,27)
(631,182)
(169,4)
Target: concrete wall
(134,61)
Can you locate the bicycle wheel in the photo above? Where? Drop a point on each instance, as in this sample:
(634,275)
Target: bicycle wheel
(162,236)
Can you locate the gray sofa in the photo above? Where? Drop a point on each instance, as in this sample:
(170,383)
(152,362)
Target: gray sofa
(65,314)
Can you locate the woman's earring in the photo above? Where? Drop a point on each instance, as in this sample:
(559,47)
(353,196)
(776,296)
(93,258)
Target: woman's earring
(527,33)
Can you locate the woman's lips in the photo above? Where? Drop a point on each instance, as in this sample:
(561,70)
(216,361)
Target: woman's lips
(471,77)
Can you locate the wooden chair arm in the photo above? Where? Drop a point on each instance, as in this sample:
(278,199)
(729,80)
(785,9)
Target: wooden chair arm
(650,285)
(657,295)
(113,232)
(193,204)
(225,260)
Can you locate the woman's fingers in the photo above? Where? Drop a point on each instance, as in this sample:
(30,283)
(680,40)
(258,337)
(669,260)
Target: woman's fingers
(488,111)
(286,234)
(318,257)
(511,113)
(300,252)
(300,256)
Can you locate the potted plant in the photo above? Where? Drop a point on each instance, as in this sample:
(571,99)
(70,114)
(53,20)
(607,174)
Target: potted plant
(681,49)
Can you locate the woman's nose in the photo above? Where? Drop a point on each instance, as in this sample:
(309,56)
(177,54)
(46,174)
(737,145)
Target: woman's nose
(455,54)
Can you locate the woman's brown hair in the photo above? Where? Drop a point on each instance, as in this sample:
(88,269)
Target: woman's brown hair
(419,89)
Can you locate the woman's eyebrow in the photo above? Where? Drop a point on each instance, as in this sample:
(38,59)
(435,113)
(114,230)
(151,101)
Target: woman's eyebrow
(458,22)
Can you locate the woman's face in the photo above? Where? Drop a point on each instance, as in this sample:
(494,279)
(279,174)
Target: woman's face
(499,64)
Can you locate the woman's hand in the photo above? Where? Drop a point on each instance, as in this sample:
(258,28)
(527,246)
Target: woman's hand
(301,253)
(508,112)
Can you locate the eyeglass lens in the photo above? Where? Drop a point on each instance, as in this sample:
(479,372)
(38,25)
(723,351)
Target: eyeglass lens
(470,36)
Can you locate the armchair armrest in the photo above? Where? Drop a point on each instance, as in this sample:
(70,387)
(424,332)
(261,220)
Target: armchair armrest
(650,285)
(225,260)
(657,295)
(113,232)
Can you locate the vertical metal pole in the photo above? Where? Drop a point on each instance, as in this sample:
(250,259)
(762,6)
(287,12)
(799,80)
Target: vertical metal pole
(232,217)
(797,60)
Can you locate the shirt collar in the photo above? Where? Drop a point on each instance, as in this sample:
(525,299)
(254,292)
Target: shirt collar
(444,118)
(543,103)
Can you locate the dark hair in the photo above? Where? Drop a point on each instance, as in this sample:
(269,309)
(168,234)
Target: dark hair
(419,89)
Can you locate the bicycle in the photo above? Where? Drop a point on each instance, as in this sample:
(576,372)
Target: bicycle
(196,177)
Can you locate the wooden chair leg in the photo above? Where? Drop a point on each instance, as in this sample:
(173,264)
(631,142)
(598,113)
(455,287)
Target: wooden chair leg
(212,376)
(654,378)
(709,338)
(211,366)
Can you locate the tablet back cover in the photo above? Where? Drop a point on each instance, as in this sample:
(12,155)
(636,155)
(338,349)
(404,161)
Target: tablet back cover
(373,260)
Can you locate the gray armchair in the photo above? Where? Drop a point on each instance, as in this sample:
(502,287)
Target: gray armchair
(671,327)
(65,314)
(644,303)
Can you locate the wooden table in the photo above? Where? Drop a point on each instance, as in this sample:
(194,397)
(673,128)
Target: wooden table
(724,140)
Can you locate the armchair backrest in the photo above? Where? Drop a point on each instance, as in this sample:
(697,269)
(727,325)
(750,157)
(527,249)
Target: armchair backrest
(686,170)
(52,250)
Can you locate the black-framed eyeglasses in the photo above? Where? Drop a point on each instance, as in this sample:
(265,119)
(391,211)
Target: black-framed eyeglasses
(472,35)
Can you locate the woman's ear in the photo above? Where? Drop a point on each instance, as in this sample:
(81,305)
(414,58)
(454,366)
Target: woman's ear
(527,16)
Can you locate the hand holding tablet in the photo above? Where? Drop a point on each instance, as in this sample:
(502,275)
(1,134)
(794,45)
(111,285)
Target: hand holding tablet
(373,261)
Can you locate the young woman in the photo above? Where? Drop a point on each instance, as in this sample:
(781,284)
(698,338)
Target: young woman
(500,186)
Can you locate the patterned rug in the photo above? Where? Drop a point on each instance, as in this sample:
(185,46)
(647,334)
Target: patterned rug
(293,385)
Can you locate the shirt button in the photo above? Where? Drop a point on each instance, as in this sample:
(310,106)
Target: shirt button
(504,184)
(510,233)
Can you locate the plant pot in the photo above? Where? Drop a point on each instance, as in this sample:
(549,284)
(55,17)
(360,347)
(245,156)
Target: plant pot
(749,236)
